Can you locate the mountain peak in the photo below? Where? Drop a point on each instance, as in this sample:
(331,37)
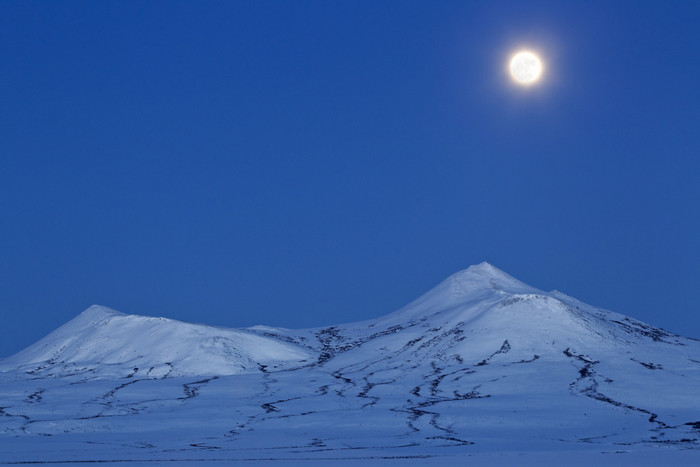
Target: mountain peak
(119,344)
(484,265)
(487,276)
(99,311)
(484,269)
(477,283)
(94,314)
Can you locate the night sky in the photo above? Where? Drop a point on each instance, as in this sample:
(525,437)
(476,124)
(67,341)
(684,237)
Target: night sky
(307,163)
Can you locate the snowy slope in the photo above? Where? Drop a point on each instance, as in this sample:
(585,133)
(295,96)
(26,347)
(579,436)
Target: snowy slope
(107,343)
(480,365)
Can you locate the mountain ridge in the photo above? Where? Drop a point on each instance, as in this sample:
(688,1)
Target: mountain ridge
(480,363)
(480,300)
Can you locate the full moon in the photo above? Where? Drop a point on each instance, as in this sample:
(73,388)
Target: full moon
(525,67)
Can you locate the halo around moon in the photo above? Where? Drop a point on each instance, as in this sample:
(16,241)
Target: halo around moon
(525,68)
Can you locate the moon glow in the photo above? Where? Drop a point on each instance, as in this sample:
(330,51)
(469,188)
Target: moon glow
(526,68)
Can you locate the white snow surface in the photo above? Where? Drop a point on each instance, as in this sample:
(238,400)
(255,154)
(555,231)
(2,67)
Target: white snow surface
(482,368)
(109,343)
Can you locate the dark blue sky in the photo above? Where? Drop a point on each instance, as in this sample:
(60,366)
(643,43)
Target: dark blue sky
(306,163)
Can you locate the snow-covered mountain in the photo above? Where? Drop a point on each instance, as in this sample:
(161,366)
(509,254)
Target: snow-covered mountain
(107,343)
(481,364)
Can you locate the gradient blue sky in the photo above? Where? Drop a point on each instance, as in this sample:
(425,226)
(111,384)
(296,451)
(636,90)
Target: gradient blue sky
(307,163)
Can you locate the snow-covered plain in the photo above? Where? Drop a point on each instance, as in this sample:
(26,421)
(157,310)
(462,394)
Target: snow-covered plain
(482,369)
